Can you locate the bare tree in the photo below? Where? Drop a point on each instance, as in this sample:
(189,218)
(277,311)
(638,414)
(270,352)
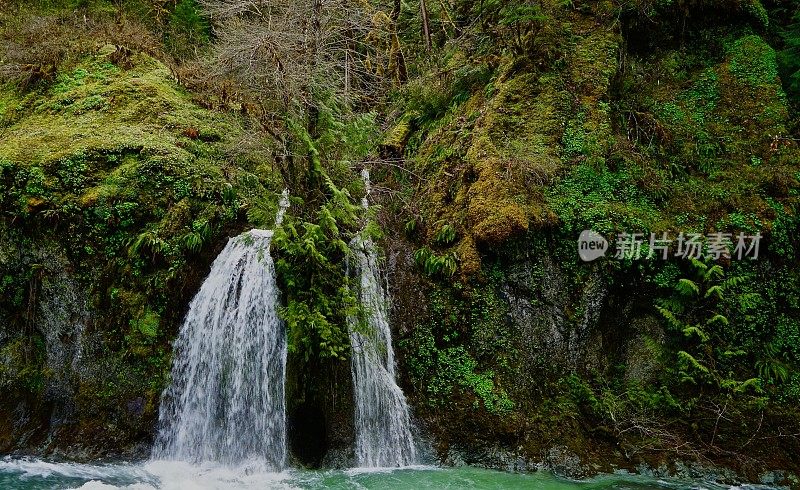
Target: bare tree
(297,58)
(289,51)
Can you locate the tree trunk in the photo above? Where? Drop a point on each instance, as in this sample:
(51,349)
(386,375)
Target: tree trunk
(397,59)
(426,27)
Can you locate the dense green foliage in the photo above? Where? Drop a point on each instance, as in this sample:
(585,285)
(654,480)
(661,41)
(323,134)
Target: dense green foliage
(707,351)
(536,124)
(313,243)
(113,167)
(312,267)
(440,363)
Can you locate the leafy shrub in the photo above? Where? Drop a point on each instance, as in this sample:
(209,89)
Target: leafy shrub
(311,266)
(601,199)
(433,264)
(462,349)
(444,370)
(724,337)
(753,60)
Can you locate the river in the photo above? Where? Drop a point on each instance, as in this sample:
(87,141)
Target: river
(37,474)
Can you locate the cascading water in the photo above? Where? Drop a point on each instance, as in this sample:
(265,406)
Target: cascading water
(382,421)
(226,400)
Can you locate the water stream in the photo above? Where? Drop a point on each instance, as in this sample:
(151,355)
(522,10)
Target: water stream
(226,401)
(223,417)
(382,422)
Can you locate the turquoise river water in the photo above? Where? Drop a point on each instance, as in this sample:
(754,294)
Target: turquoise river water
(30,473)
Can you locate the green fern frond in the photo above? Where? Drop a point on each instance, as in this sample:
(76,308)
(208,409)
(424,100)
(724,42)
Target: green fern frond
(714,291)
(718,319)
(672,320)
(687,360)
(693,330)
(687,287)
(714,272)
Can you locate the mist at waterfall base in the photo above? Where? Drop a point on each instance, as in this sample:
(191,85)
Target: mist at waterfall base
(35,474)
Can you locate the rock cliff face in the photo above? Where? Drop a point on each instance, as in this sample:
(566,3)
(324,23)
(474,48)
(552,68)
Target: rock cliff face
(511,354)
(57,309)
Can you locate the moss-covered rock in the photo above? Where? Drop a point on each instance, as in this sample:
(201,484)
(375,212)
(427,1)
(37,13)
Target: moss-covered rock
(117,192)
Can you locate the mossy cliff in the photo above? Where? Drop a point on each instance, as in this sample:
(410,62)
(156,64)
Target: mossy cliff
(117,192)
(639,119)
(527,123)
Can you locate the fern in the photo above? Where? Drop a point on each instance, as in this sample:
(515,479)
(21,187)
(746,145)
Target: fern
(446,235)
(687,287)
(692,330)
(733,282)
(193,241)
(670,317)
(433,264)
(770,367)
(714,272)
(716,291)
(688,361)
(721,319)
(148,242)
(410,227)
(699,266)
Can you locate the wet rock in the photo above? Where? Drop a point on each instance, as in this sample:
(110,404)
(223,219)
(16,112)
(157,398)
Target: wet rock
(563,462)
(642,352)
(554,323)
(136,407)
(493,457)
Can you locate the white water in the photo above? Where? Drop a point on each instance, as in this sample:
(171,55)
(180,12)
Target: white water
(226,401)
(382,421)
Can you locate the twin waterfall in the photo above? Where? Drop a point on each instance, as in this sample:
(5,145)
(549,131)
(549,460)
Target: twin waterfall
(226,402)
(383,427)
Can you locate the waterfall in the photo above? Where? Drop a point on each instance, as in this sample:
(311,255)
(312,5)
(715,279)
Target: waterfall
(382,421)
(226,400)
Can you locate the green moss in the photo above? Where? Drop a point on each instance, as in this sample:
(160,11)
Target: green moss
(756,9)
(699,133)
(143,334)
(489,158)
(603,200)
(753,60)
(146,324)
(97,107)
